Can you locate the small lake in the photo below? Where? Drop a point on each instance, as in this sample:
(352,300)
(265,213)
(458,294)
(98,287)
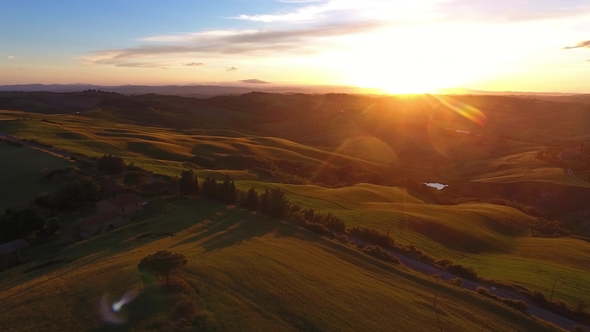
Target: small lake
(436,185)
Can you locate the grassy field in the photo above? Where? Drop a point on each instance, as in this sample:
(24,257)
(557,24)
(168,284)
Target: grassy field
(485,236)
(255,273)
(251,274)
(22,174)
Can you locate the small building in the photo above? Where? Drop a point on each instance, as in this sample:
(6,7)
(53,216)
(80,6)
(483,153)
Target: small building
(128,205)
(111,213)
(113,189)
(101,223)
(14,253)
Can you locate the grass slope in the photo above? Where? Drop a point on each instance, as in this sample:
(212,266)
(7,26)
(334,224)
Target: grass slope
(251,274)
(22,174)
(485,236)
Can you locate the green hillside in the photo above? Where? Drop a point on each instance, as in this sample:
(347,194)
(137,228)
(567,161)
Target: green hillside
(22,174)
(249,273)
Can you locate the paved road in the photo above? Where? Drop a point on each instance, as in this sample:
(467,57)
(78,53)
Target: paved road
(533,310)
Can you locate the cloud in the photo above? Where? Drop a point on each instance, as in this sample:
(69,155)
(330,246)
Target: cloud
(255,81)
(193,64)
(231,69)
(488,10)
(10,57)
(256,42)
(579,45)
(139,64)
(315,10)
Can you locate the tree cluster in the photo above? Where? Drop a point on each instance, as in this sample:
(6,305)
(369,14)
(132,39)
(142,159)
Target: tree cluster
(224,192)
(17,223)
(71,195)
(111,164)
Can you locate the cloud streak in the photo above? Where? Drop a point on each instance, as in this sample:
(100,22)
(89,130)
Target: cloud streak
(193,64)
(254,81)
(139,64)
(260,42)
(498,11)
(579,45)
(231,69)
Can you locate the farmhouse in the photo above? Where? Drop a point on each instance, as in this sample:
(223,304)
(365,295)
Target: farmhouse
(111,213)
(13,253)
(128,205)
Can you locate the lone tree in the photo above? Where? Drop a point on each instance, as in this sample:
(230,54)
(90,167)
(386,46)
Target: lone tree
(161,263)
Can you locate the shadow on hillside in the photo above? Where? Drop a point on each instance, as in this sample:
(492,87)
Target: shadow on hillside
(154,151)
(458,240)
(243,230)
(227,232)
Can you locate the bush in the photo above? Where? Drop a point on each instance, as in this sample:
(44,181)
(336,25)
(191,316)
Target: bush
(318,229)
(111,164)
(379,253)
(51,225)
(517,304)
(372,235)
(456,281)
(462,271)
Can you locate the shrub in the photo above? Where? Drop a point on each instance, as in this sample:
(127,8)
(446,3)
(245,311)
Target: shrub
(379,253)
(372,235)
(462,271)
(318,229)
(517,304)
(456,281)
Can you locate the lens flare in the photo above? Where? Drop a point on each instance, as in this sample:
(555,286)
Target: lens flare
(465,110)
(111,313)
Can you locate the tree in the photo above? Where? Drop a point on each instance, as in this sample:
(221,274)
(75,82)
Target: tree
(188,183)
(264,202)
(209,188)
(111,164)
(252,200)
(226,191)
(279,205)
(161,263)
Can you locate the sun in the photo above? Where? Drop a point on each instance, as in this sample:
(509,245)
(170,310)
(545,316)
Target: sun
(395,84)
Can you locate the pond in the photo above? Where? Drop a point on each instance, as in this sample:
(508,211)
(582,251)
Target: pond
(436,185)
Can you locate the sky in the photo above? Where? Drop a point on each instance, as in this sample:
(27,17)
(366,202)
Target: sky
(393,46)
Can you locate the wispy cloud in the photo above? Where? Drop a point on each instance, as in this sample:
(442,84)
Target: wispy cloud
(305,13)
(193,64)
(335,10)
(262,42)
(231,69)
(254,81)
(499,11)
(139,64)
(10,57)
(579,45)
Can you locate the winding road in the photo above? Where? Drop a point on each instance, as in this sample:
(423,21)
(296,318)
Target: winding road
(533,310)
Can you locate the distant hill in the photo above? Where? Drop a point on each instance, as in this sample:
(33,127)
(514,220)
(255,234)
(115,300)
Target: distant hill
(242,87)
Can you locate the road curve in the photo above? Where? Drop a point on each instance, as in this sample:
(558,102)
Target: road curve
(532,309)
